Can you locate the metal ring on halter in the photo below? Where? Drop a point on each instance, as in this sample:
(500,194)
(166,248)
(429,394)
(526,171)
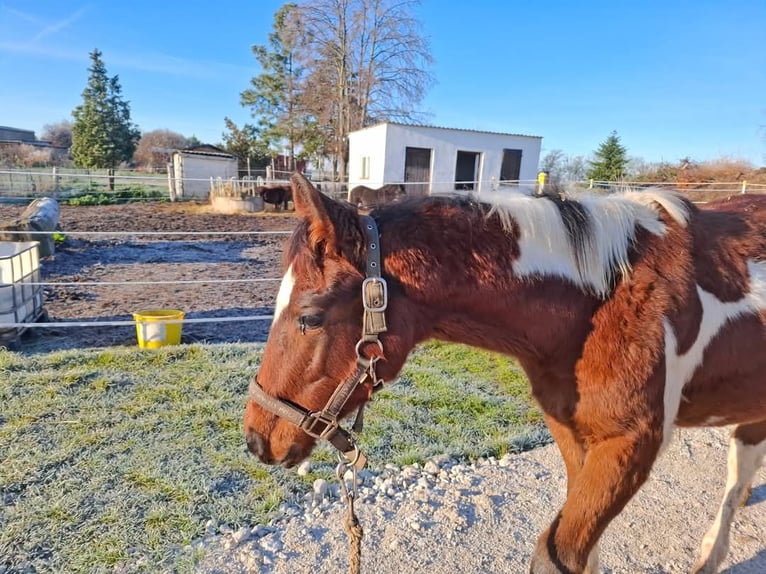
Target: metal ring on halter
(361,342)
(349,461)
(344,464)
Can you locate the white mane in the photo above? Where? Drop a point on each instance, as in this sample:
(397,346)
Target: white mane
(590,261)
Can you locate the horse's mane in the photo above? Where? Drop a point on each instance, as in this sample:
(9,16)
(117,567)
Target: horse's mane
(584,237)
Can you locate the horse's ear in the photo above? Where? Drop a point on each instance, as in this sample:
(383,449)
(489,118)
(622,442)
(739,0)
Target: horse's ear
(332,225)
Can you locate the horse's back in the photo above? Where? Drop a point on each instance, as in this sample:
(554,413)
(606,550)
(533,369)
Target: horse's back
(729,383)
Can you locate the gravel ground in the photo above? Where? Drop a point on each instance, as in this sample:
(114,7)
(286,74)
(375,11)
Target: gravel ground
(485,517)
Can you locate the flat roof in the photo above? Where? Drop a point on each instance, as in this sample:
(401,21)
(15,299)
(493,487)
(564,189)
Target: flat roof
(417,125)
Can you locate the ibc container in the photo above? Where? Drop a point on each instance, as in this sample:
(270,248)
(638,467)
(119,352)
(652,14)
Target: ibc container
(20,300)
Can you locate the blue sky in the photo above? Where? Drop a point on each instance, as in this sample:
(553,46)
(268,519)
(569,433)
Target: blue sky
(674,78)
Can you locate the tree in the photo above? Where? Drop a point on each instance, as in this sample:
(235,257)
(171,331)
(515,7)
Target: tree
(562,167)
(553,163)
(59,134)
(371,59)
(611,160)
(335,66)
(274,95)
(102,135)
(193,141)
(155,148)
(244,143)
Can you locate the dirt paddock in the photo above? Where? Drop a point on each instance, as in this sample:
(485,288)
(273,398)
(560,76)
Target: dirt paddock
(118,258)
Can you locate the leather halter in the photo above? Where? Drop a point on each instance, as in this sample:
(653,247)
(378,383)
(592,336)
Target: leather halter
(324,424)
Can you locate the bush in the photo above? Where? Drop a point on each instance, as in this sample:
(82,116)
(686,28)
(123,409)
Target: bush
(129,194)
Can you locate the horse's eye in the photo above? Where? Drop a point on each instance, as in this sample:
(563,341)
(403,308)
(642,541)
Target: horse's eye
(310,322)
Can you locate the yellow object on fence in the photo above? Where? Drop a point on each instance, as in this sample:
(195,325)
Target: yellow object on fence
(157,328)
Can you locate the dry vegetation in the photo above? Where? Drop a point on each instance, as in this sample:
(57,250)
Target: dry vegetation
(707,180)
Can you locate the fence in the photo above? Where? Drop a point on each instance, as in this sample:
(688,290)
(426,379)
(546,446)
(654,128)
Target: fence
(217,282)
(63,183)
(148,281)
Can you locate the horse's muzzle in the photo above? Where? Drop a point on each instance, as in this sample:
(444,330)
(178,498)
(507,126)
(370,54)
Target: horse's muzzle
(257,445)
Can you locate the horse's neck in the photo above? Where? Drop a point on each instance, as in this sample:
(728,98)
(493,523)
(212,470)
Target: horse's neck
(457,274)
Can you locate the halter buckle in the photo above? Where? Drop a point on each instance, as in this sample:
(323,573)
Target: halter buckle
(331,425)
(375,294)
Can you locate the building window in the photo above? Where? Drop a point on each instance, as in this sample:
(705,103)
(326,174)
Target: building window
(366,167)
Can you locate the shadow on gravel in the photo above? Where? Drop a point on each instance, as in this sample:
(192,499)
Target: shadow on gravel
(756,565)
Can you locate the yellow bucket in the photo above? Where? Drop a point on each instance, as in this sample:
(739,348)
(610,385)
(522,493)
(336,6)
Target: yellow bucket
(155,329)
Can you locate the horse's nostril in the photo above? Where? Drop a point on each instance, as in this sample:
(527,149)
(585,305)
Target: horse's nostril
(292,457)
(257,445)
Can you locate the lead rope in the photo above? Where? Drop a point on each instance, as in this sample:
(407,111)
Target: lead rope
(351,524)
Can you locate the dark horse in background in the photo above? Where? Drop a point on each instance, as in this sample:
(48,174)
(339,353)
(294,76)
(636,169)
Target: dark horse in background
(367,198)
(631,314)
(278,195)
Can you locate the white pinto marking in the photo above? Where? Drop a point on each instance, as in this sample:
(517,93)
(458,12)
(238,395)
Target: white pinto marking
(744,461)
(285,290)
(545,245)
(679,369)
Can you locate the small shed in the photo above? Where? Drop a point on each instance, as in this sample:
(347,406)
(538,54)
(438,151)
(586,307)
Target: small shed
(194,167)
(431,159)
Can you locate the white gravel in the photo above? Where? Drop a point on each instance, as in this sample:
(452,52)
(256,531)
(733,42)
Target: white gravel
(451,517)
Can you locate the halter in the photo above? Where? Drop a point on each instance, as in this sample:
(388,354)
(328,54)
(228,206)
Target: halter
(324,424)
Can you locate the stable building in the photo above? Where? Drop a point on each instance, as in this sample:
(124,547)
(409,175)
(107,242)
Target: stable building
(430,159)
(195,170)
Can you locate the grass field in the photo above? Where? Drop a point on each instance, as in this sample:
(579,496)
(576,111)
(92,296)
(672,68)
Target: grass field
(118,457)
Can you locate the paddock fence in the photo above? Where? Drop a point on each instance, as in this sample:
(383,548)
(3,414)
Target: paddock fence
(35,180)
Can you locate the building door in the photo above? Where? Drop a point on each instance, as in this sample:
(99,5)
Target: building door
(510,170)
(417,169)
(466,168)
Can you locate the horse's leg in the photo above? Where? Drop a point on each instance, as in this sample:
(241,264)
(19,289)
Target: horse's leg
(571,447)
(747,447)
(613,470)
(573,452)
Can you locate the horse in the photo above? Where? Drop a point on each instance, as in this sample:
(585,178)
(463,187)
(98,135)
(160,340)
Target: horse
(631,314)
(366,197)
(278,195)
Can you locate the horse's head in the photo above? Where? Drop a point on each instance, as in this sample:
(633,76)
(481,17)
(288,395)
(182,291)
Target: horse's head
(314,342)
(398,193)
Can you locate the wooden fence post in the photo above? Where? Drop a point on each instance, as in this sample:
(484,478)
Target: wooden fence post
(744,186)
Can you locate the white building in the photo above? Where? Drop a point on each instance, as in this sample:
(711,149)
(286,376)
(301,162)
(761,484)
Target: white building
(431,159)
(194,168)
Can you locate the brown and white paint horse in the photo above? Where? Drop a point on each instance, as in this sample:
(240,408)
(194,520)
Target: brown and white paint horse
(631,314)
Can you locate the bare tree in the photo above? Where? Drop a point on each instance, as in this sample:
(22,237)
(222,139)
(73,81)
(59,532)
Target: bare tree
(563,168)
(368,62)
(59,134)
(155,148)
(334,66)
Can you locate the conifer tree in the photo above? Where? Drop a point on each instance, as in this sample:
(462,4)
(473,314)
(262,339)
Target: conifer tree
(274,95)
(102,133)
(611,160)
